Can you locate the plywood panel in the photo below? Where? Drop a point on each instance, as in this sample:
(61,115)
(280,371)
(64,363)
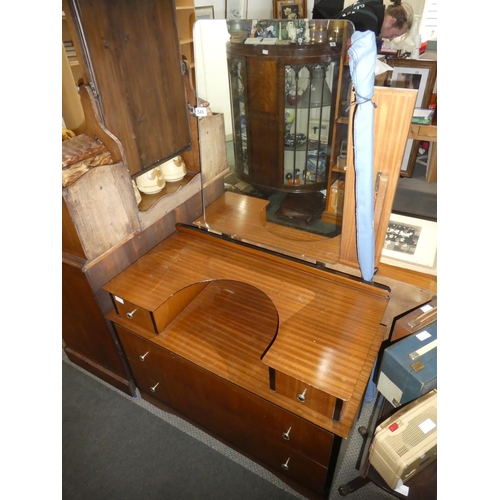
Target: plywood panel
(103,208)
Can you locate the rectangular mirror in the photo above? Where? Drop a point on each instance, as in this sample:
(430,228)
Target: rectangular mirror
(284,89)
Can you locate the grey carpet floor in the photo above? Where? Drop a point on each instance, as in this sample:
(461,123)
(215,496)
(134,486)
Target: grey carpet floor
(415,196)
(113,449)
(90,471)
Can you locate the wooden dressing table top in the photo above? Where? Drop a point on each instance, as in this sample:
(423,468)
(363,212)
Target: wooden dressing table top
(328,325)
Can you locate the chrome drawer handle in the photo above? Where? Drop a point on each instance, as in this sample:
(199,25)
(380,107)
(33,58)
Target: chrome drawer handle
(286,435)
(302,396)
(130,314)
(142,357)
(153,389)
(285,465)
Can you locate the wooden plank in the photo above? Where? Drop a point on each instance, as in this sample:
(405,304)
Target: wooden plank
(431,174)
(190,192)
(103,208)
(213,154)
(392,118)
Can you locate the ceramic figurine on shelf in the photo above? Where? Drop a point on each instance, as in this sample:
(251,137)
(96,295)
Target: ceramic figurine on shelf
(289,119)
(298,31)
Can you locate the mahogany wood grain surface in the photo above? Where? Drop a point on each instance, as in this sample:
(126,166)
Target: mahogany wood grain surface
(327,323)
(160,365)
(245,218)
(231,412)
(88,337)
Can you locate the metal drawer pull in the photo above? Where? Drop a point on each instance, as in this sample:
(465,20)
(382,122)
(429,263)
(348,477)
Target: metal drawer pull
(302,396)
(142,357)
(130,314)
(285,465)
(153,389)
(286,435)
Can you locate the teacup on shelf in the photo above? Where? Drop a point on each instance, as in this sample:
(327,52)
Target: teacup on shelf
(151,182)
(174,170)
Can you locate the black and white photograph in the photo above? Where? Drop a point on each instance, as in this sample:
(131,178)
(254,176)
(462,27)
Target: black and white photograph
(402,238)
(411,243)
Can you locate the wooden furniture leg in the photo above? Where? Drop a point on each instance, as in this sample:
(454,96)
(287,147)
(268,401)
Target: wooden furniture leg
(431,175)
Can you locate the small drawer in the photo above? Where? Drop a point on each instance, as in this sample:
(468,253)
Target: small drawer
(136,315)
(152,382)
(139,350)
(296,466)
(306,395)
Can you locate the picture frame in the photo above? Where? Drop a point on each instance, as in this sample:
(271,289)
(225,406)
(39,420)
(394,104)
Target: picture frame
(236,9)
(411,243)
(290,9)
(421,75)
(204,12)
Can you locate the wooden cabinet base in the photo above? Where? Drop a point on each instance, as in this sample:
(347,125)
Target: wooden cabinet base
(260,430)
(89,341)
(111,378)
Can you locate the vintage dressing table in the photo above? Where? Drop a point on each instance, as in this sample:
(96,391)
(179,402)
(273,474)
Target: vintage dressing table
(263,334)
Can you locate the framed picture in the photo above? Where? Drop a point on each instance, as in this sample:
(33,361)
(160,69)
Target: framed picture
(413,74)
(206,12)
(289,9)
(236,9)
(411,243)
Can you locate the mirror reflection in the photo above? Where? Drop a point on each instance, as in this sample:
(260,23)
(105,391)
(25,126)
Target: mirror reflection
(284,90)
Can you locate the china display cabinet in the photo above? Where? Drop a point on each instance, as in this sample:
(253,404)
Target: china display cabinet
(288,83)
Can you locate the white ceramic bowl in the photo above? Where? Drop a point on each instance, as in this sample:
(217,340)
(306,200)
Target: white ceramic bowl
(174,170)
(151,182)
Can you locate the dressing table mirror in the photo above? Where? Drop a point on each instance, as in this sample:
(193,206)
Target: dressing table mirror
(284,91)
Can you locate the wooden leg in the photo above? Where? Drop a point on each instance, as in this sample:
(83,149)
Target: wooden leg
(431,175)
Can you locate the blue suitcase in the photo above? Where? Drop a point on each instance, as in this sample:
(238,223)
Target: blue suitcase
(409,367)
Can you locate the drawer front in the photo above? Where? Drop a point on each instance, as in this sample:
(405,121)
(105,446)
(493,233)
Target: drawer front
(305,395)
(232,412)
(233,428)
(136,315)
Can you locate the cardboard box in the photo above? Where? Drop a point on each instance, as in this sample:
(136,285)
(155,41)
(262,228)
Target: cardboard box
(409,367)
(336,205)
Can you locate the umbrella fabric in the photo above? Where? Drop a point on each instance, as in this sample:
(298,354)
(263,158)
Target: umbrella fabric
(362,60)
